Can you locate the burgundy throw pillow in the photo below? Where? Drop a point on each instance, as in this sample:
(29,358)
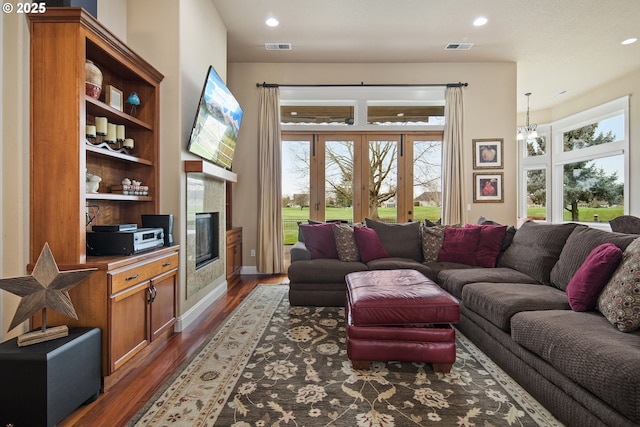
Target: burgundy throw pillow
(489,244)
(318,238)
(594,273)
(459,245)
(369,244)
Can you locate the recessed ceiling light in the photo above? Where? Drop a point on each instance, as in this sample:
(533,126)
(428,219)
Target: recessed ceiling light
(400,114)
(272,22)
(294,113)
(480,21)
(630,40)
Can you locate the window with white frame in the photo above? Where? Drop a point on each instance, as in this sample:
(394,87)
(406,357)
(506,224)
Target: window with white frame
(580,173)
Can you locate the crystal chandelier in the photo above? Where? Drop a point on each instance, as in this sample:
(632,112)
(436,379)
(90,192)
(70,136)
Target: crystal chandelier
(528,131)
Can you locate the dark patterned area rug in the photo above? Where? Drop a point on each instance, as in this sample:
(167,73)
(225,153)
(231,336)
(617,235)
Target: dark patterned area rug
(273,365)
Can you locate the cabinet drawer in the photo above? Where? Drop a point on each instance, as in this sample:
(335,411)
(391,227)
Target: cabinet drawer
(129,276)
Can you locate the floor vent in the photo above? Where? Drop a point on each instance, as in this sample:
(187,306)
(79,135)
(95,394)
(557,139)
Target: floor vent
(458,46)
(277,46)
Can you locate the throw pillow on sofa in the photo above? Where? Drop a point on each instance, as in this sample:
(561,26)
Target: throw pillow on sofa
(399,240)
(346,243)
(369,244)
(459,245)
(491,237)
(432,238)
(536,248)
(319,240)
(619,301)
(585,286)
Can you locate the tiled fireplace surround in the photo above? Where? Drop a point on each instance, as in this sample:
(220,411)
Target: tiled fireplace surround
(204,195)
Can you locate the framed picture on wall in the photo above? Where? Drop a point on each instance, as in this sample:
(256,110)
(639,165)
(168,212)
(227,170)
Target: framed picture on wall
(487,187)
(487,153)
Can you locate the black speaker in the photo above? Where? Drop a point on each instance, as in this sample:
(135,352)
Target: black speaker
(160,221)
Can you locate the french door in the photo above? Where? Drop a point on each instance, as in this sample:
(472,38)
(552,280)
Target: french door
(350,176)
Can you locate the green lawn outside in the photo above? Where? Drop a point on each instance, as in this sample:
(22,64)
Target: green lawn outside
(290,216)
(585,214)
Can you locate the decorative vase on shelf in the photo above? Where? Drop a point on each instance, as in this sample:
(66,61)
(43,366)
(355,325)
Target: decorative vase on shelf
(93,80)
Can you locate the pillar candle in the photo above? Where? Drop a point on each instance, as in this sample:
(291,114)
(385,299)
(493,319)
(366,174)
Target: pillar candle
(90,131)
(111,133)
(101,125)
(120,132)
(128,143)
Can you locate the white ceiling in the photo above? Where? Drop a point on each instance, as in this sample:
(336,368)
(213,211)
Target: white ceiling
(558,45)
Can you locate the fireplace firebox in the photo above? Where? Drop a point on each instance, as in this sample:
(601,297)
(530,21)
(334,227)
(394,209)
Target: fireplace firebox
(207,238)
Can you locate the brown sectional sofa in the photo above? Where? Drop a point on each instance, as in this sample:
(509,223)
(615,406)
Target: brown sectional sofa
(577,364)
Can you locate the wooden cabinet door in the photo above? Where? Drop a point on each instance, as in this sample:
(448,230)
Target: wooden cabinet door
(129,324)
(164,296)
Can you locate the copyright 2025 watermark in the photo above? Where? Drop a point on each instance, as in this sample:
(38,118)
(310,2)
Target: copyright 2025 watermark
(24,7)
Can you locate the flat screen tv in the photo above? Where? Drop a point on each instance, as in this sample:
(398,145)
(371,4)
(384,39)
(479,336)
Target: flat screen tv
(217,123)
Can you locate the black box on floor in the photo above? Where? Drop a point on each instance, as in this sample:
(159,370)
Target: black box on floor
(43,383)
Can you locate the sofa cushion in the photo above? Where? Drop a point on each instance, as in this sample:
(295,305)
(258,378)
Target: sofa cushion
(346,243)
(437,267)
(322,270)
(459,245)
(620,298)
(453,280)
(497,302)
(318,238)
(579,244)
(588,350)
(535,249)
(369,244)
(432,238)
(489,244)
(585,286)
(395,263)
(399,240)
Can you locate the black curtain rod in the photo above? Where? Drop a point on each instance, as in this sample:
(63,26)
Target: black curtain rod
(362,84)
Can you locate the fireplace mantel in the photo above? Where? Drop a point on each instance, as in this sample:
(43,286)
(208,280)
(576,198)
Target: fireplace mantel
(210,170)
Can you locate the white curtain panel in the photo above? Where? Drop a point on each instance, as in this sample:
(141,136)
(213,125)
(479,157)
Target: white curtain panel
(270,257)
(453,183)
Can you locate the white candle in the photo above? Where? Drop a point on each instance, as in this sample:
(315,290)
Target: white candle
(101,125)
(90,131)
(111,133)
(120,132)
(128,143)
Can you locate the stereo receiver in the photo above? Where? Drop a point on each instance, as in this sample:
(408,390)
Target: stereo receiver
(125,242)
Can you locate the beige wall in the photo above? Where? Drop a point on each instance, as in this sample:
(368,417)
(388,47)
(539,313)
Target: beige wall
(181,39)
(15,158)
(489,108)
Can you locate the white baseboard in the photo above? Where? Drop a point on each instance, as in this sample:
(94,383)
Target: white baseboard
(250,269)
(201,306)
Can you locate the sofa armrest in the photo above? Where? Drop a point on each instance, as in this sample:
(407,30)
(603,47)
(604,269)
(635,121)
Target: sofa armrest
(299,252)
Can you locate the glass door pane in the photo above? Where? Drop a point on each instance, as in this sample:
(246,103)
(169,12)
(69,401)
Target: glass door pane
(338,180)
(295,186)
(383,179)
(427,180)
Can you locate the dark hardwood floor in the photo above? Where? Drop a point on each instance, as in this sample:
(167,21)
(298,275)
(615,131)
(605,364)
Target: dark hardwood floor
(137,381)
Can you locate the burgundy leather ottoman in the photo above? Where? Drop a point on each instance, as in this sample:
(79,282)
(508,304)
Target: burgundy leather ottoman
(399,315)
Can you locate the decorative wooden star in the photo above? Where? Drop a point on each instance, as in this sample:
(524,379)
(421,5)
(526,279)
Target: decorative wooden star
(46,288)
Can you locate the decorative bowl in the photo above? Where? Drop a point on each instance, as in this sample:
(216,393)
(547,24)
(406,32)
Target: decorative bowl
(92,90)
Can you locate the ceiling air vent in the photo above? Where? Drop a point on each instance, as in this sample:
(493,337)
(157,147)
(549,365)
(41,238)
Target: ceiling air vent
(458,46)
(277,46)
